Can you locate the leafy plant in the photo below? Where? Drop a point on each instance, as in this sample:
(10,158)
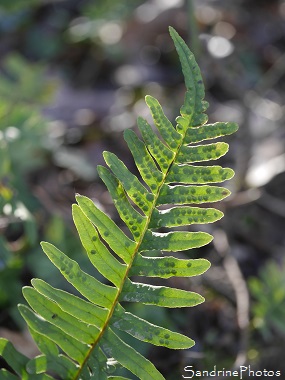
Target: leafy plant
(269,294)
(80,338)
(23,147)
(23,138)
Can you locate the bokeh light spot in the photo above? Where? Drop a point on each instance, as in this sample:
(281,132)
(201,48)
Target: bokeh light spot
(220,47)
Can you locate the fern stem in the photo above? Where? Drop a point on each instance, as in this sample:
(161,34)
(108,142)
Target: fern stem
(129,265)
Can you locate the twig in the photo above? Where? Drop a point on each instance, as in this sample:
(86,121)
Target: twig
(272,204)
(241,293)
(235,276)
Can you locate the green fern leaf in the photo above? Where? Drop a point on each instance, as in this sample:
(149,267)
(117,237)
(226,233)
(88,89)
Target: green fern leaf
(147,332)
(79,338)
(163,267)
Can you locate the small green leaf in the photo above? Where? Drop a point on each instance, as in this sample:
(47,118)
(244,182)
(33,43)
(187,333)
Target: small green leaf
(189,120)
(51,360)
(180,194)
(39,364)
(52,313)
(145,164)
(135,190)
(133,219)
(159,295)
(87,285)
(168,132)
(166,267)
(209,131)
(194,105)
(174,241)
(189,174)
(73,348)
(199,153)
(147,332)
(113,346)
(89,313)
(15,359)
(60,365)
(158,150)
(183,216)
(97,252)
(108,230)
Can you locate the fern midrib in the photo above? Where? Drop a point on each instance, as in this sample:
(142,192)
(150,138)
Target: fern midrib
(129,266)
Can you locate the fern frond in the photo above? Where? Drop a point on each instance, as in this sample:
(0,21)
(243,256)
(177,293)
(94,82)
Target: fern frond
(78,338)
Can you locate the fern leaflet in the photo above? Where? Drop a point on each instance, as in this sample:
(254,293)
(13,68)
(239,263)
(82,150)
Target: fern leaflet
(78,337)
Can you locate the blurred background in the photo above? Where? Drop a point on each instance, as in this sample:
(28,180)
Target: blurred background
(73,76)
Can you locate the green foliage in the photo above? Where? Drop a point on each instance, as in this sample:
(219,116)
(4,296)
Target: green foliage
(22,90)
(81,338)
(22,148)
(269,293)
(21,132)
